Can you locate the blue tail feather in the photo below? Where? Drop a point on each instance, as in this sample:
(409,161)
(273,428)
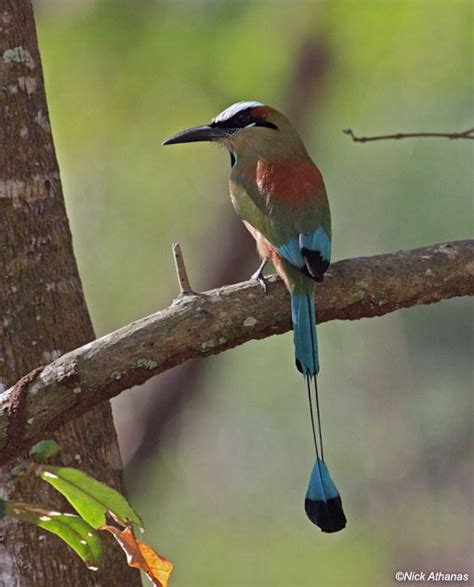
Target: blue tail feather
(304,333)
(323,503)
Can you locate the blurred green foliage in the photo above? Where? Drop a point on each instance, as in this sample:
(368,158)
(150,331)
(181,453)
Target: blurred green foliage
(224,498)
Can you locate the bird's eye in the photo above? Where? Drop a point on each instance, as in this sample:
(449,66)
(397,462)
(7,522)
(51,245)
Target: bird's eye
(243,118)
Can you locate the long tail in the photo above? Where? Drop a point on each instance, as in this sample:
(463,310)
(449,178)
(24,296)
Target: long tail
(304,333)
(323,503)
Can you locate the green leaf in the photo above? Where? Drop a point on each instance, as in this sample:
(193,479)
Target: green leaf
(44,450)
(91,498)
(83,539)
(3,508)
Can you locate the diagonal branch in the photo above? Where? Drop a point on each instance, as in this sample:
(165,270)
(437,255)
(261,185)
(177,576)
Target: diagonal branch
(199,325)
(466,134)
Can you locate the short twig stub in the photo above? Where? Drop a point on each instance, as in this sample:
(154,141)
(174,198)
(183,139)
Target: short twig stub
(183,280)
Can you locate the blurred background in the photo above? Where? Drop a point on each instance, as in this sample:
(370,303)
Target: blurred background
(218,452)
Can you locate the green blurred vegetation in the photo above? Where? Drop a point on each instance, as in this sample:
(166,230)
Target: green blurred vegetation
(224,497)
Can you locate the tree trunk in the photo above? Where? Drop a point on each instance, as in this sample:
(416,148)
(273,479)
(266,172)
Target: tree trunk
(42,310)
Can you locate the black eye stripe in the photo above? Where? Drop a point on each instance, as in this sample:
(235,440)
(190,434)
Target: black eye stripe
(265,123)
(239,120)
(243,119)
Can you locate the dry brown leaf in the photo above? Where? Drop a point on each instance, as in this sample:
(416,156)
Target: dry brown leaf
(141,556)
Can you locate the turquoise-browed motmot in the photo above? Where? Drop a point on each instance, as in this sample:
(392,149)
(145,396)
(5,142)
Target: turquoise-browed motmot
(279,194)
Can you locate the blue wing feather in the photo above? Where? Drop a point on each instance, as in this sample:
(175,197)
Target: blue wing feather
(310,252)
(317,241)
(291,252)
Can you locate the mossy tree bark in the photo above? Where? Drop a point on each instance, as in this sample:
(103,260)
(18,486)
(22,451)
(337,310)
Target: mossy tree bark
(42,309)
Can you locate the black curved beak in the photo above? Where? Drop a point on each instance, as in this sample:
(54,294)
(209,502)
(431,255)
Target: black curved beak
(197,133)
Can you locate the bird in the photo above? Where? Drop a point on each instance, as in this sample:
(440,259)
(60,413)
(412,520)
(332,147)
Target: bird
(279,194)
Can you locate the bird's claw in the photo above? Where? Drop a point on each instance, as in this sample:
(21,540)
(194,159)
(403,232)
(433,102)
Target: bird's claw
(257,276)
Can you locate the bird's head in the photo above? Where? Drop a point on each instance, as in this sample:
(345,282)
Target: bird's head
(246,129)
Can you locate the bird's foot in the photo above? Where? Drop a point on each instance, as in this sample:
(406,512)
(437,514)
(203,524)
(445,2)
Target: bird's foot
(258,276)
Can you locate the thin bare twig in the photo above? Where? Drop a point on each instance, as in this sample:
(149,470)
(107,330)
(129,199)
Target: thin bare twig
(220,319)
(181,273)
(467,134)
